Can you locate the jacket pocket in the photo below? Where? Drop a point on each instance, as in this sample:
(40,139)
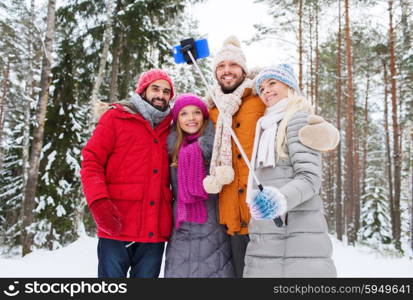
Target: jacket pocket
(128,200)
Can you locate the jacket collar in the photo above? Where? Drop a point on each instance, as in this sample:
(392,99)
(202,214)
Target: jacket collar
(126,113)
(247,92)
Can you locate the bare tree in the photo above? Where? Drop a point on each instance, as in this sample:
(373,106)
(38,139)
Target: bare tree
(29,98)
(117,51)
(317,58)
(311,69)
(388,148)
(104,56)
(38,133)
(329,159)
(396,132)
(3,95)
(356,181)
(339,209)
(350,148)
(117,46)
(300,44)
(365,137)
(411,184)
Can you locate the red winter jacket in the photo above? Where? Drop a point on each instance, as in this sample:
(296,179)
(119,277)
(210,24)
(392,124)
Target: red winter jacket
(126,161)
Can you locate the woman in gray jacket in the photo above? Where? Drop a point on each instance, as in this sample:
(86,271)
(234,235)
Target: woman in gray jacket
(285,164)
(199,245)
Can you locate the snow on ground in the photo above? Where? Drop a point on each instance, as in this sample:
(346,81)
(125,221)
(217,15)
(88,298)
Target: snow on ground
(79,260)
(363,261)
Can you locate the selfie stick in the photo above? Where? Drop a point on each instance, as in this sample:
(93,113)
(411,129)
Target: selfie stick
(186,48)
(244,155)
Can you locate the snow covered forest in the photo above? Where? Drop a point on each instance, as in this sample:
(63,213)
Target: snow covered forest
(56,60)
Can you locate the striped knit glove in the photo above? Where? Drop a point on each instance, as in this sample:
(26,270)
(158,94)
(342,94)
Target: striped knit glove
(268,204)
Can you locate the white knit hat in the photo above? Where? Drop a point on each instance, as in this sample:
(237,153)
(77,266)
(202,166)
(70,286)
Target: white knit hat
(231,51)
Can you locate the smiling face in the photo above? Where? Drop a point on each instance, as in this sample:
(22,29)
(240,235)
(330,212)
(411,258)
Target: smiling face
(272,91)
(190,119)
(229,75)
(158,94)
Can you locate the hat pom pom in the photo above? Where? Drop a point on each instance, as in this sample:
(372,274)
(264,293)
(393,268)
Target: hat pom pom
(224,174)
(211,185)
(232,40)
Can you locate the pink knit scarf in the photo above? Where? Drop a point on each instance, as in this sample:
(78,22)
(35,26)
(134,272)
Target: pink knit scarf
(191,193)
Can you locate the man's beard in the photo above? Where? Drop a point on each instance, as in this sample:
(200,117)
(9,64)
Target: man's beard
(229,90)
(162,108)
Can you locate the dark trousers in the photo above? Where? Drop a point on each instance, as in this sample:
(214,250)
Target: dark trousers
(143,259)
(239,247)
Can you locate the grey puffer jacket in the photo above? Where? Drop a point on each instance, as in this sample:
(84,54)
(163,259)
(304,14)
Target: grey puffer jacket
(301,247)
(198,250)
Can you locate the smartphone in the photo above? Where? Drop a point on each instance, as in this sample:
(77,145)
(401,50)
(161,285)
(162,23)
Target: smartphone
(201,50)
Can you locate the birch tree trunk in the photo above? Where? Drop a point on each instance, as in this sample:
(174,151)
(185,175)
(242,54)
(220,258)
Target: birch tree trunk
(4,91)
(38,133)
(365,138)
(388,148)
(29,99)
(113,92)
(104,56)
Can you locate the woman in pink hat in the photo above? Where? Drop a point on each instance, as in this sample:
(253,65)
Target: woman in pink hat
(199,246)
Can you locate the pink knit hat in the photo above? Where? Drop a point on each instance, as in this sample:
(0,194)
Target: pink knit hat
(185,100)
(150,76)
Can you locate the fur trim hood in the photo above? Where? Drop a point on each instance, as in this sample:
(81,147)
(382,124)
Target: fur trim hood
(100,107)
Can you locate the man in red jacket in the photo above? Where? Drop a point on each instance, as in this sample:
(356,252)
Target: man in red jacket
(125,178)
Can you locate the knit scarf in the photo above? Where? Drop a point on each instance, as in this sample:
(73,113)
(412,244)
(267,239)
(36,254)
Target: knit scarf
(149,113)
(191,172)
(263,153)
(229,104)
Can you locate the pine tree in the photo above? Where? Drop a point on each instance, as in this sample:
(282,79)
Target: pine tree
(147,42)
(186,77)
(20,43)
(375,230)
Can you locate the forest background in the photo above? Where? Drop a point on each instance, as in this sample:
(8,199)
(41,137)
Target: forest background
(354,61)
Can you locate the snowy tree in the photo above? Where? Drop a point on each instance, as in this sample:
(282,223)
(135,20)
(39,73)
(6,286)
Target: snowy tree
(38,134)
(80,29)
(186,77)
(376,229)
(20,44)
